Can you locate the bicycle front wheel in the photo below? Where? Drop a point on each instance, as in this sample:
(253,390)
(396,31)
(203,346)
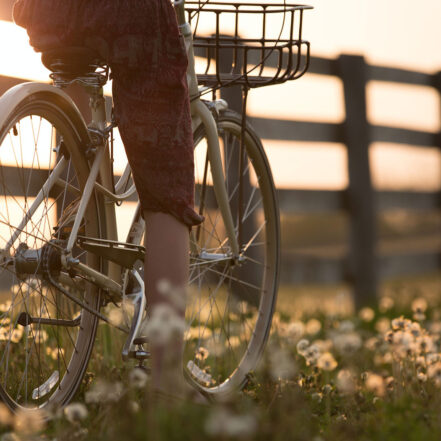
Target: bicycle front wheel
(231,299)
(45,338)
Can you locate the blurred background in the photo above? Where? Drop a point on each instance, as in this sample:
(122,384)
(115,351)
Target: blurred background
(354,146)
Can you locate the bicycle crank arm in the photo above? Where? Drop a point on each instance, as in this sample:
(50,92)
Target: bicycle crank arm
(24,319)
(128,349)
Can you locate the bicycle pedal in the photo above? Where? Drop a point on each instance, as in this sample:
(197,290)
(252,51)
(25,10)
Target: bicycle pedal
(140,341)
(139,355)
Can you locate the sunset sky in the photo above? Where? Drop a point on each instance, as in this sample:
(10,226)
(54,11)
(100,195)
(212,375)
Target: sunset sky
(397,33)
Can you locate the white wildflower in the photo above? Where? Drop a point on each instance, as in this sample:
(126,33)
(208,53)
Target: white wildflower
(434,372)
(28,422)
(366,314)
(6,416)
(419,305)
(102,392)
(222,422)
(385,304)
(9,436)
(382,325)
(75,412)
(281,364)
(138,378)
(201,353)
(421,376)
(302,346)
(400,323)
(347,343)
(163,325)
(175,294)
(294,331)
(375,383)
(312,354)
(346,326)
(116,316)
(345,382)
(326,362)
(313,326)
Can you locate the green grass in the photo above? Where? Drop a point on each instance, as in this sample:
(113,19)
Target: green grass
(391,391)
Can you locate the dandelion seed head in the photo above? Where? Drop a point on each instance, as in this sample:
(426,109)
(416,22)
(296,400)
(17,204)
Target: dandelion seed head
(422,377)
(116,316)
(175,294)
(327,389)
(312,354)
(9,436)
(346,326)
(302,346)
(222,422)
(317,397)
(347,343)
(372,344)
(435,327)
(102,392)
(382,325)
(6,417)
(366,314)
(201,353)
(424,345)
(415,329)
(28,422)
(386,303)
(326,362)
(434,372)
(134,406)
(282,366)
(294,331)
(313,326)
(346,382)
(138,378)
(419,305)
(323,345)
(164,324)
(432,358)
(375,383)
(75,412)
(399,323)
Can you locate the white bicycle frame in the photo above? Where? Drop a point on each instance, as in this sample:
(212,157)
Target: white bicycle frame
(100,178)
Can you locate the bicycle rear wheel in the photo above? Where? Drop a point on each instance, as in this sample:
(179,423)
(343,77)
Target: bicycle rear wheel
(45,338)
(231,301)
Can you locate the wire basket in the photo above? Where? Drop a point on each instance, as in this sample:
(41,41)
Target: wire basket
(253,44)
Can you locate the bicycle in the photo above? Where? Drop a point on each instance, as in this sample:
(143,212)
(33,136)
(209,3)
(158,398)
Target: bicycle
(60,258)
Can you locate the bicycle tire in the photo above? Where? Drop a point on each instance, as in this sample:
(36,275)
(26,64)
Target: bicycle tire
(225,342)
(43,364)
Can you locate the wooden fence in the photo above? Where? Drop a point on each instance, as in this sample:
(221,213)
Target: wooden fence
(361,264)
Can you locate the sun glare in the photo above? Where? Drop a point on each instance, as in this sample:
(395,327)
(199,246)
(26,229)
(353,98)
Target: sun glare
(19,59)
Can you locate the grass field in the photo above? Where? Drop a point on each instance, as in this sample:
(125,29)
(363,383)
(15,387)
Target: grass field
(327,374)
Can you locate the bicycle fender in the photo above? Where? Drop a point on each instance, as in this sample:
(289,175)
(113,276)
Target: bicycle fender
(34,91)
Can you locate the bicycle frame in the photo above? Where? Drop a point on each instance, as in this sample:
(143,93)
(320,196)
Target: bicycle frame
(101,166)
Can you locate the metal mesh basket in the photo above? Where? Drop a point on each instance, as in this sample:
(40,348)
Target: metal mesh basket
(253,44)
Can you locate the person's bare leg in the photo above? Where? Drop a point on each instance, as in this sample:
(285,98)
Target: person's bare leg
(167,258)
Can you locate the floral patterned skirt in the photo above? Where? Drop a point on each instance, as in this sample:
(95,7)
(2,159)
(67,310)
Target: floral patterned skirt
(141,42)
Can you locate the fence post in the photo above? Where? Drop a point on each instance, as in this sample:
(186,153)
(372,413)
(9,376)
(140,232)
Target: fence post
(360,195)
(437,85)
